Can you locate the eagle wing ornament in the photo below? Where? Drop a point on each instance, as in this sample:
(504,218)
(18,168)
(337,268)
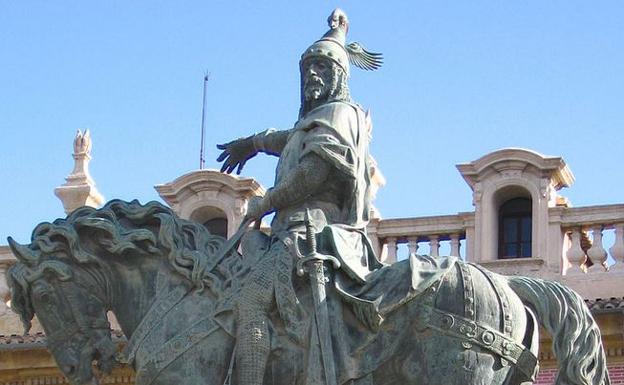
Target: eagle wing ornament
(359,56)
(362,58)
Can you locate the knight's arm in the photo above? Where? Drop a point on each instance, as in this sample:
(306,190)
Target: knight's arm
(324,154)
(271,141)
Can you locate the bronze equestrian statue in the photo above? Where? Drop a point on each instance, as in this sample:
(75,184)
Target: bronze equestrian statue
(308,303)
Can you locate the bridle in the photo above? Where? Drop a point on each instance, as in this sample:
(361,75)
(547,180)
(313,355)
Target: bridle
(89,326)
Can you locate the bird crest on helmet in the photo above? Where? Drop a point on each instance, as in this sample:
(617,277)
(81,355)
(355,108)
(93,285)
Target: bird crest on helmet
(332,46)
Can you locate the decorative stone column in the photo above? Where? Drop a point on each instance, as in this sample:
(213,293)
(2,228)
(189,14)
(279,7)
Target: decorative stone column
(371,230)
(596,252)
(455,245)
(617,250)
(4,290)
(9,321)
(391,244)
(575,254)
(79,189)
(434,245)
(412,245)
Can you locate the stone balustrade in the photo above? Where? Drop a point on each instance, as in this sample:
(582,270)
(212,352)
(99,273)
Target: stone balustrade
(422,235)
(9,321)
(594,238)
(6,260)
(581,240)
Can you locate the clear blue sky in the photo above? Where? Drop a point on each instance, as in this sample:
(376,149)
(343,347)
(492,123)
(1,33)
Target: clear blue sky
(460,79)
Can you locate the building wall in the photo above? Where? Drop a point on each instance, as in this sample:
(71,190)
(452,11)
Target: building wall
(547,375)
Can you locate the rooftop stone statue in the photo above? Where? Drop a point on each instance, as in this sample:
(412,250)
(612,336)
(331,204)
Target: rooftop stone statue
(307,304)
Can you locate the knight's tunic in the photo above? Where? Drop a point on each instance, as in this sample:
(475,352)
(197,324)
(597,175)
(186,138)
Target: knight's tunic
(336,132)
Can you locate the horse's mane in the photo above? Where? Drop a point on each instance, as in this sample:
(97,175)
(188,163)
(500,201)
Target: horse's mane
(123,229)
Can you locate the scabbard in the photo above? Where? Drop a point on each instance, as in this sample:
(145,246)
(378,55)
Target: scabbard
(321,315)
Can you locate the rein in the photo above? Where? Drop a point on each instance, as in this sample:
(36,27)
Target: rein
(84,324)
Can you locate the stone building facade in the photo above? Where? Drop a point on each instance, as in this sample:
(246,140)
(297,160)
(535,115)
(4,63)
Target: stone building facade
(520,226)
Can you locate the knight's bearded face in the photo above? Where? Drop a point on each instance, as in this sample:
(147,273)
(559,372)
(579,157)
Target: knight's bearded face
(318,77)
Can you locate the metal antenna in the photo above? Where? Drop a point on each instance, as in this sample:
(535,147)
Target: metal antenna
(202,160)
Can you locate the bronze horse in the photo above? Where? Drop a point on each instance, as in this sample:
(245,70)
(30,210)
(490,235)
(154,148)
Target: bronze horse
(157,273)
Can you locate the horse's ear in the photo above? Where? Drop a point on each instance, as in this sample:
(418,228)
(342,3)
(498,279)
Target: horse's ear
(21,252)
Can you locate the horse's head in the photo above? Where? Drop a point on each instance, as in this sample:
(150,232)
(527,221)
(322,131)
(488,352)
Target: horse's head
(71,308)
(75,269)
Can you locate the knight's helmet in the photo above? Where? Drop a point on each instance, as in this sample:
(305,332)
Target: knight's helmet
(332,46)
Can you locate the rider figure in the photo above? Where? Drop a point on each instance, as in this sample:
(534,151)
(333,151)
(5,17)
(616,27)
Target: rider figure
(324,169)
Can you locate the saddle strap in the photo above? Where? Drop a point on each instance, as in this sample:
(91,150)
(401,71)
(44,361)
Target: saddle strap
(502,298)
(469,331)
(469,298)
(155,314)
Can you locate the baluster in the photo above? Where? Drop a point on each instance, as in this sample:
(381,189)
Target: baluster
(596,252)
(455,245)
(391,244)
(434,245)
(412,245)
(617,250)
(5,295)
(575,253)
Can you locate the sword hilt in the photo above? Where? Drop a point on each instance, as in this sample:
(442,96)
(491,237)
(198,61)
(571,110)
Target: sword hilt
(312,255)
(310,235)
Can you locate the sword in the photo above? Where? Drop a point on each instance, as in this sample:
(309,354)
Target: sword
(313,263)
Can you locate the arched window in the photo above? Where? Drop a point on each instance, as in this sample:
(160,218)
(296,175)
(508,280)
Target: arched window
(514,229)
(217,226)
(213,218)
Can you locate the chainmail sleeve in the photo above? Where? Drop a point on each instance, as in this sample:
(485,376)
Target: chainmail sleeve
(271,141)
(305,180)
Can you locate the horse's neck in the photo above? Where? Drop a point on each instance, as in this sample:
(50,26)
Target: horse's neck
(135,289)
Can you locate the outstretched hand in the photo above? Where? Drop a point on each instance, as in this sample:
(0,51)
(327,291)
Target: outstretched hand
(235,154)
